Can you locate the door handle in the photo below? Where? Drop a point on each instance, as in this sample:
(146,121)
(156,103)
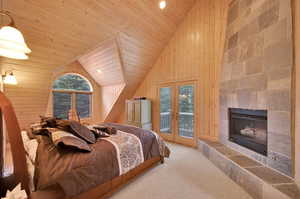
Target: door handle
(176,116)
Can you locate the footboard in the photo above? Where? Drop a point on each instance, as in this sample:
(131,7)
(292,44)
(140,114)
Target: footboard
(102,191)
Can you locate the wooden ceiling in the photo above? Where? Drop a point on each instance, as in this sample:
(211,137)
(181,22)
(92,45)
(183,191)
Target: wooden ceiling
(60,31)
(104,64)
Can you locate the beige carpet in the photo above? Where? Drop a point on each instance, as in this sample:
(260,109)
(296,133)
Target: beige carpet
(186,175)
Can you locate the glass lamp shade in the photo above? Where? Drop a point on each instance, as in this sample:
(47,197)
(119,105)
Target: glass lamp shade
(12,43)
(10,79)
(162,4)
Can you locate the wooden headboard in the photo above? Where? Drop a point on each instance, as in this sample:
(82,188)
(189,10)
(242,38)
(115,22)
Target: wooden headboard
(1,146)
(14,136)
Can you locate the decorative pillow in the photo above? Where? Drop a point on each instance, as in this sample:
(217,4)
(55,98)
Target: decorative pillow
(109,130)
(64,125)
(83,132)
(49,122)
(37,129)
(65,139)
(97,132)
(25,137)
(36,126)
(30,146)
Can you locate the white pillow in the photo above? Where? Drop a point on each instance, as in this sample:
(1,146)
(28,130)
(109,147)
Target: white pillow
(25,137)
(30,148)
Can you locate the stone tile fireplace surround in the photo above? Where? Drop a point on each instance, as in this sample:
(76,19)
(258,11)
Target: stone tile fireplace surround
(257,72)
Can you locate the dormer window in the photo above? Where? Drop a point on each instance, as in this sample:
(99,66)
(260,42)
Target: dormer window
(72,92)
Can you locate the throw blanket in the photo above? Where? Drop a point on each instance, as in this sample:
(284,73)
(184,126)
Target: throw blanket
(77,172)
(129,151)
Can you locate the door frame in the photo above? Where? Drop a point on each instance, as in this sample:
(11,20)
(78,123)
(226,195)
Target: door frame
(174,136)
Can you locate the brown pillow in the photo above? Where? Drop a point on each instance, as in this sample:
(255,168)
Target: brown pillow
(64,125)
(36,129)
(49,121)
(111,130)
(82,132)
(107,129)
(65,139)
(97,132)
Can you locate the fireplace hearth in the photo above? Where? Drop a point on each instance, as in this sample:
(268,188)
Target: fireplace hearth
(249,128)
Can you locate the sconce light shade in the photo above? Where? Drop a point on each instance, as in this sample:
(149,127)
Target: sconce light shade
(12,43)
(10,79)
(162,5)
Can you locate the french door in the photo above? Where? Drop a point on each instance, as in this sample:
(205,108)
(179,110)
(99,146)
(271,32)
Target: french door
(177,121)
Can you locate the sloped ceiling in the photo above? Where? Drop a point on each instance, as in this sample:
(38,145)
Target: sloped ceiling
(62,30)
(126,35)
(104,64)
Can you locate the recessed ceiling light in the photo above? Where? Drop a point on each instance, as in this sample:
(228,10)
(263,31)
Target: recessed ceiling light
(99,71)
(162,4)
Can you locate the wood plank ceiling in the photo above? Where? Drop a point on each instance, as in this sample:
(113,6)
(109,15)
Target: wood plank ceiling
(104,64)
(131,33)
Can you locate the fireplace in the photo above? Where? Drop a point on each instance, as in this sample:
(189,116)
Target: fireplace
(249,128)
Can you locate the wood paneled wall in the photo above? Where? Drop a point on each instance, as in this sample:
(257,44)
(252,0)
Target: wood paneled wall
(194,53)
(30,96)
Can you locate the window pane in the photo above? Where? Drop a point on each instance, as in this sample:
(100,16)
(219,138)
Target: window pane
(83,105)
(71,82)
(61,104)
(186,111)
(165,110)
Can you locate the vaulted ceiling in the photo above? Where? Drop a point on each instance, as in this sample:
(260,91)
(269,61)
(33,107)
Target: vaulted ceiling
(122,38)
(60,31)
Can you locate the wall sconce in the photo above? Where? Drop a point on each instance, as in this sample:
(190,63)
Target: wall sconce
(9,78)
(162,5)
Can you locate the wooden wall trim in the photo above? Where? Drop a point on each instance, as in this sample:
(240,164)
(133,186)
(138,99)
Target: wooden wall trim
(1,146)
(296,93)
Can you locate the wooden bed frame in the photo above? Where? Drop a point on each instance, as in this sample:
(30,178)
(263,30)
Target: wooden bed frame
(20,167)
(102,191)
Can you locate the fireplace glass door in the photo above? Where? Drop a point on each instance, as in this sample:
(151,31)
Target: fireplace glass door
(177,112)
(248,128)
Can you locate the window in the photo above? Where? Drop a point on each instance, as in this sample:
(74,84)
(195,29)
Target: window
(72,91)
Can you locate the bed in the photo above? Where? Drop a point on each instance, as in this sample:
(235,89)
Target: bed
(61,173)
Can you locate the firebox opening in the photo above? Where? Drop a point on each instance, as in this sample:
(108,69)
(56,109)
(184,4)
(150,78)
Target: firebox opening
(249,128)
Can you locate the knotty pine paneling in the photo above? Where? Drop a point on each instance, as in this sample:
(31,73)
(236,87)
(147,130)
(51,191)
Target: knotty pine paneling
(30,96)
(194,53)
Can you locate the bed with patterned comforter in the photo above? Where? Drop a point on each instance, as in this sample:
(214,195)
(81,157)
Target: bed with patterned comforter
(110,157)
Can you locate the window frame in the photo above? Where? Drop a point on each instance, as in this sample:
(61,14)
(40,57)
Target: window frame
(73,94)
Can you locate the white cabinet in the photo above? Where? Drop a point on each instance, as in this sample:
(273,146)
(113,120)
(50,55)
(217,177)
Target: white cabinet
(138,113)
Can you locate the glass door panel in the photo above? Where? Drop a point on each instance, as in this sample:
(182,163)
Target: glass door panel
(186,111)
(165,94)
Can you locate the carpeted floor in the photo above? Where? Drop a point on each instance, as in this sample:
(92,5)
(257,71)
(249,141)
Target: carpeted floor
(186,175)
